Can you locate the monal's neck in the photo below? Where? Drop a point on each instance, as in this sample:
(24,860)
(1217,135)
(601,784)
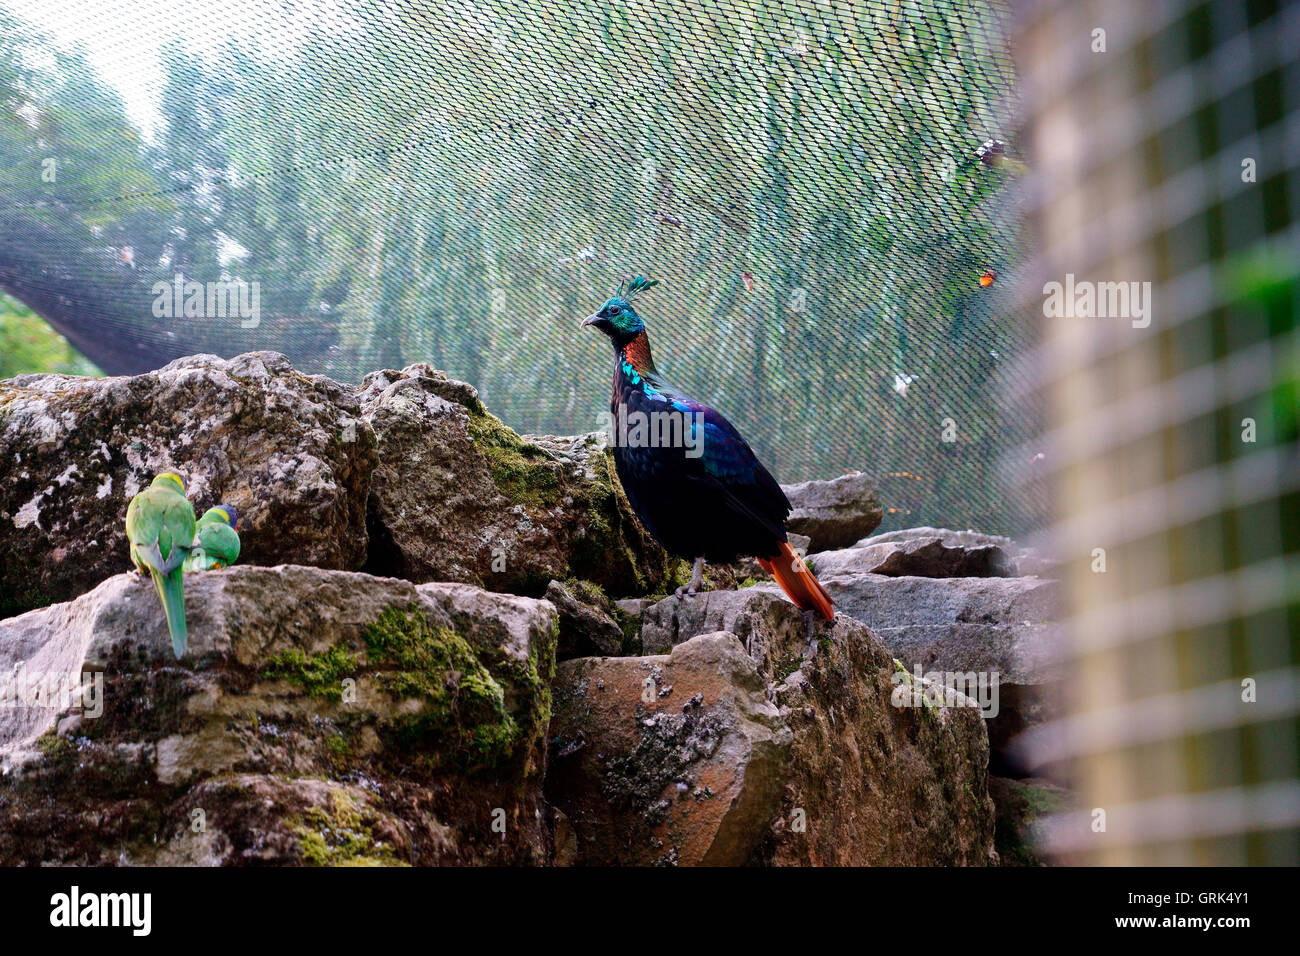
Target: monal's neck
(636,353)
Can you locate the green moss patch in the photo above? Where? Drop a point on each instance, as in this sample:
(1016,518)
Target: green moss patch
(320,674)
(522,471)
(343,835)
(56,749)
(464,719)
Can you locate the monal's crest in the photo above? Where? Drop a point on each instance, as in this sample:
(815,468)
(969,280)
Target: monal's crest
(634,287)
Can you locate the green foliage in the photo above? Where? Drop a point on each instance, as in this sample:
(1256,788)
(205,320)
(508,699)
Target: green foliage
(1261,276)
(28,344)
(78,191)
(1257,284)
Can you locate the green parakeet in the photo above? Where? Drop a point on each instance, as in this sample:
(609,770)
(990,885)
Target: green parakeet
(216,544)
(160,528)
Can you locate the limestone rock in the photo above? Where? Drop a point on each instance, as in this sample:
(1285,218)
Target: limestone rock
(1005,555)
(674,759)
(880,774)
(871,776)
(969,625)
(588,620)
(923,552)
(289,451)
(835,513)
(319,717)
(458,496)
(754,614)
(1007,624)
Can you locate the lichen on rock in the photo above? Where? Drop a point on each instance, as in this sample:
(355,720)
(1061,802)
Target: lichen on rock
(458,496)
(289,451)
(308,697)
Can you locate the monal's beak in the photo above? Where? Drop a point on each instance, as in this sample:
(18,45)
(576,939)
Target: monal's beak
(589,320)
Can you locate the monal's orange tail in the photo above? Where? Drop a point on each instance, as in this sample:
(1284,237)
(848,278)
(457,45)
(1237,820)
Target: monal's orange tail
(797,581)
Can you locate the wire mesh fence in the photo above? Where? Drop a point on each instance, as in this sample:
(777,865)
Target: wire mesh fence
(1167,141)
(459,183)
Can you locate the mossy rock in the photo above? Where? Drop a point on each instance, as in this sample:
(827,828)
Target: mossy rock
(463,721)
(521,471)
(320,674)
(343,835)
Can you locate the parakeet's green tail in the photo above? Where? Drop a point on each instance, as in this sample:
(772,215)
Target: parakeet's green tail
(173,602)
